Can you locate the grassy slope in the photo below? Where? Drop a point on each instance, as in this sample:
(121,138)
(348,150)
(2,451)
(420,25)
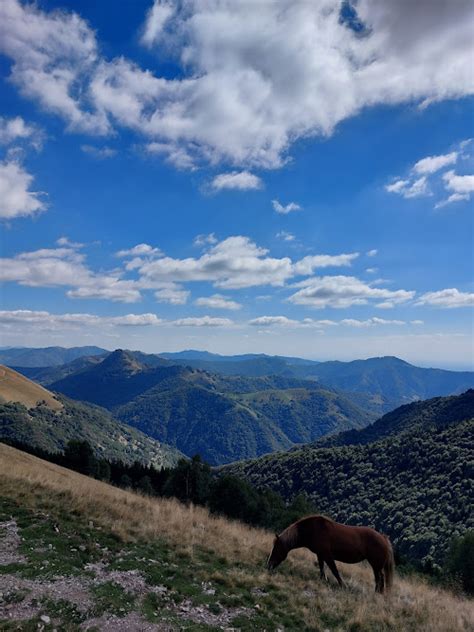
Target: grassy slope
(197,572)
(14,387)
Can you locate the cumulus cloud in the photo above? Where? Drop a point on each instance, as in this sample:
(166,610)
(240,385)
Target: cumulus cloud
(140,250)
(236,262)
(285,209)
(462,187)
(239,180)
(15,129)
(217,301)
(172,295)
(56,267)
(203,321)
(284,321)
(344,291)
(54,56)
(156,18)
(46,319)
(16,198)
(269,321)
(409,189)
(205,240)
(372,253)
(415,186)
(242,98)
(430,164)
(448,298)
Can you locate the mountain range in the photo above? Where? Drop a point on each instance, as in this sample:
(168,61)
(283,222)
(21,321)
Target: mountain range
(226,416)
(45,356)
(223,418)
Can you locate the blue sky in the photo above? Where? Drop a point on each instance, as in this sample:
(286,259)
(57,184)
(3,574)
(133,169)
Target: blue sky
(175,176)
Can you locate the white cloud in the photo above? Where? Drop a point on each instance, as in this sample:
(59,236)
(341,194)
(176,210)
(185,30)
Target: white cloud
(16,200)
(140,250)
(205,240)
(110,288)
(239,180)
(46,319)
(16,130)
(236,262)
(431,164)
(284,210)
(54,55)
(65,241)
(285,235)
(370,322)
(283,321)
(203,321)
(343,291)
(156,18)
(172,295)
(462,187)
(448,298)
(414,186)
(217,301)
(99,152)
(242,98)
(372,270)
(372,253)
(269,321)
(56,267)
(409,189)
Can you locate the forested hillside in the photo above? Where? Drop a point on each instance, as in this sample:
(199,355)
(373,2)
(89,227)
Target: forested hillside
(415,485)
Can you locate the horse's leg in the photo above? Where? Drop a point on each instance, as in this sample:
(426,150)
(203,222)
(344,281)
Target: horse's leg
(379,579)
(332,565)
(322,574)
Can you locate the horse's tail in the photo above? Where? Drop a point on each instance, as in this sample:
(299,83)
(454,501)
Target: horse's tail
(389,565)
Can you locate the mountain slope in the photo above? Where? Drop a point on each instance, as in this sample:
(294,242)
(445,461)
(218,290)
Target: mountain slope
(110,559)
(222,418)
(425,416)
(46,356)
(32,415)
(15,387)
(415,484)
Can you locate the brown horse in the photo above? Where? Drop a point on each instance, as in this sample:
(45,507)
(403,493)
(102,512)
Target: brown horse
(332,542)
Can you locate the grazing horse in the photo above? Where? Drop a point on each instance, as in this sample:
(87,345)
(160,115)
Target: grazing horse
(332,542)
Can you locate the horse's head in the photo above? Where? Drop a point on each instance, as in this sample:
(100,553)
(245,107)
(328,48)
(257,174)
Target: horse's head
(278,554)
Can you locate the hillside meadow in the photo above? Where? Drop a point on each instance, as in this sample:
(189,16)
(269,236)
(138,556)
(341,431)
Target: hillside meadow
(191,570)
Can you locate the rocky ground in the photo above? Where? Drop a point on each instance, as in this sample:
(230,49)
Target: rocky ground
(57,576)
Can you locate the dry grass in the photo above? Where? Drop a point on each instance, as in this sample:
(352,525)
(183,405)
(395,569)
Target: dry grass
(412,605)
(15,387)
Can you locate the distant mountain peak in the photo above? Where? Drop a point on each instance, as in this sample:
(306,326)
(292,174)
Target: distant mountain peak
(122,361)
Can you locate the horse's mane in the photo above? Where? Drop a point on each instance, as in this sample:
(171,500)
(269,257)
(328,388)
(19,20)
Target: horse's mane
(289,537)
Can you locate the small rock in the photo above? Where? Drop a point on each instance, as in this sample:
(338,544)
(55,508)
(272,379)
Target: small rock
(82,547)
(45,619)
(91,524)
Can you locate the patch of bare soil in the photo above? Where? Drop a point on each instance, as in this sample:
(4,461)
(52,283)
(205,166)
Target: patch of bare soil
(9,542)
